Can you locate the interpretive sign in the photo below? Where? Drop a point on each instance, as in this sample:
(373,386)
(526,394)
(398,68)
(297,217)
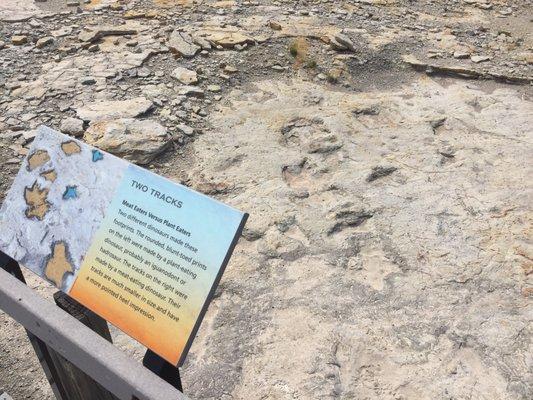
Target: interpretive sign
(143,252)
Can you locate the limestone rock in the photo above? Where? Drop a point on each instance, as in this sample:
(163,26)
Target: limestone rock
(185,76)
(343,41)
(112,109)
(134,14)
(461,54)
(18,10)
(214,88)
(226,38)
(479,59)
(19,40)
(191,91)
(203,43)
(72,126)
(92,34)
(275,25)
(138,141)
(185,129)
(229,69)
(43,42)
(29,135)
(181,43)
(340,234)
(464,72)
(380,172)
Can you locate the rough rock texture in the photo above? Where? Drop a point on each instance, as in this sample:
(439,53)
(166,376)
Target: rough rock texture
(185,76)
(18,10)
(382,148)
(93,34)
(182,44)
(227,38)
(428,261)
(137,141)
(72,126)
(104,110)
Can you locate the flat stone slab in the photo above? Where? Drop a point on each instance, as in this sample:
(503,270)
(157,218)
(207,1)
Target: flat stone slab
(185,76)
(112,109)
(181,43)
(93,34)
(137,141)
(18,10)
(225,38)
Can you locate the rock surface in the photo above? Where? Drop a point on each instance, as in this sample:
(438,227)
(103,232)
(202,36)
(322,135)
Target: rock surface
(110,109)
(338,235)
(72,126)
(182,44)
(18,40)
(18,10)
(226,38)
(185,76)
(43,42)
(93,34)
(136,141)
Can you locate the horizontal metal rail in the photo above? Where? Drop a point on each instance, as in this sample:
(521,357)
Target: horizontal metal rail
(95,356)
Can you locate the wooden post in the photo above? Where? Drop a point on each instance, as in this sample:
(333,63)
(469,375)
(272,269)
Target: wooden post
(78,384)
(66,380)
(163,369)
(83,314)
(41,349)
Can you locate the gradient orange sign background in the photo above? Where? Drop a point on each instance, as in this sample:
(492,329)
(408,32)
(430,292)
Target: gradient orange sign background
(158,298)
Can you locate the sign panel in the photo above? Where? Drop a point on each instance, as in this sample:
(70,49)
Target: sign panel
(143,252)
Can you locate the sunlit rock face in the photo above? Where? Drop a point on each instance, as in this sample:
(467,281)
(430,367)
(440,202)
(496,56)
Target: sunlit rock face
(383,257)
(18,10)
